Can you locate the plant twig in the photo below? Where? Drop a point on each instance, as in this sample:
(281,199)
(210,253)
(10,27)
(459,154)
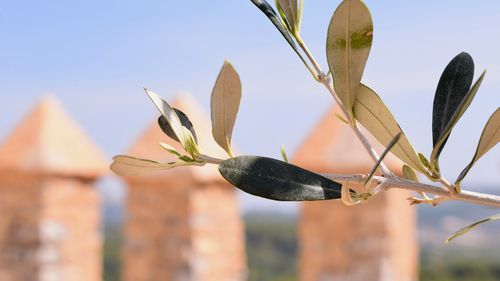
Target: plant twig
(326,81)
(400,183)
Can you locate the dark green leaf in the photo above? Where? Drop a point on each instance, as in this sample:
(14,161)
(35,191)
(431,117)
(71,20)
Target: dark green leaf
(273,179)
(264,6)
(169,113)
(167,129)
(452,89)
(462,107)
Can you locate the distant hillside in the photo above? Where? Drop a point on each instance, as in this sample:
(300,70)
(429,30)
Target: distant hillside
(435,224)
(272,246)
(271,242)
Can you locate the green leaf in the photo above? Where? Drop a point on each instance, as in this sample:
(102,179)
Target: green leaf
(291,12)
(185,122)
(472,226)
(341,118)
(391,144)
(372,113)
(489,138)
(264,6)
(424,160)
(277,180)
(409,173)
(349,41)
(183,134)
(170,149)
(190,144)
(452,88)
(124,165)
(453,97)
(225,103)
(169,113)
(283,153)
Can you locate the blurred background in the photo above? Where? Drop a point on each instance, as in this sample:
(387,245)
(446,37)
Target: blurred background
(96,56)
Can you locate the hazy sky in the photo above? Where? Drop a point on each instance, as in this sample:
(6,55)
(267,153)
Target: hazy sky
(97,55)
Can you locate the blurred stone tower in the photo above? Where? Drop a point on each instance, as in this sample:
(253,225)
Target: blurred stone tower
(375,241)
(49,208)
(182,224)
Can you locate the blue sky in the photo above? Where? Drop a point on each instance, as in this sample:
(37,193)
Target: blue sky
(97,55)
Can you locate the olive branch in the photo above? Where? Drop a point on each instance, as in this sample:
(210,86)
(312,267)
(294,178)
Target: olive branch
(349,41)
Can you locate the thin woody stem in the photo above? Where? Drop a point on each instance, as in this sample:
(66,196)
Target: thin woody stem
(389,180)
(400,183)
(325,81)
(309,55)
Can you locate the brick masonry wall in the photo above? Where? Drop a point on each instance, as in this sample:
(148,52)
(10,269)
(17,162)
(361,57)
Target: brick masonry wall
(49,229)
(180,230)
(70,231)
(217,233)
(373,241)
(156,240)
(20,207)
(182,224)
(49,209)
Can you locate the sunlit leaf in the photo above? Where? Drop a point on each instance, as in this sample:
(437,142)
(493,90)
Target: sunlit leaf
(390,145)
(409,173)
(472,226)
(489,138)
(299,14)
(190,143)
(349,41)
(283,153)
(131,166)
(290,11)
(264,6)
(372,113)
(170,149)
(277,180)
(341,118)
(169,114)
(185,122)
(424,160)
(225,103)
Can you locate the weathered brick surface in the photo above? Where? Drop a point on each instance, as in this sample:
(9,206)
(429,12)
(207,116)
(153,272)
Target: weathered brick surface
(20,207)
(182,224)
(217,234)
(373,241)
(49,209)
(157,233)
(69,231)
